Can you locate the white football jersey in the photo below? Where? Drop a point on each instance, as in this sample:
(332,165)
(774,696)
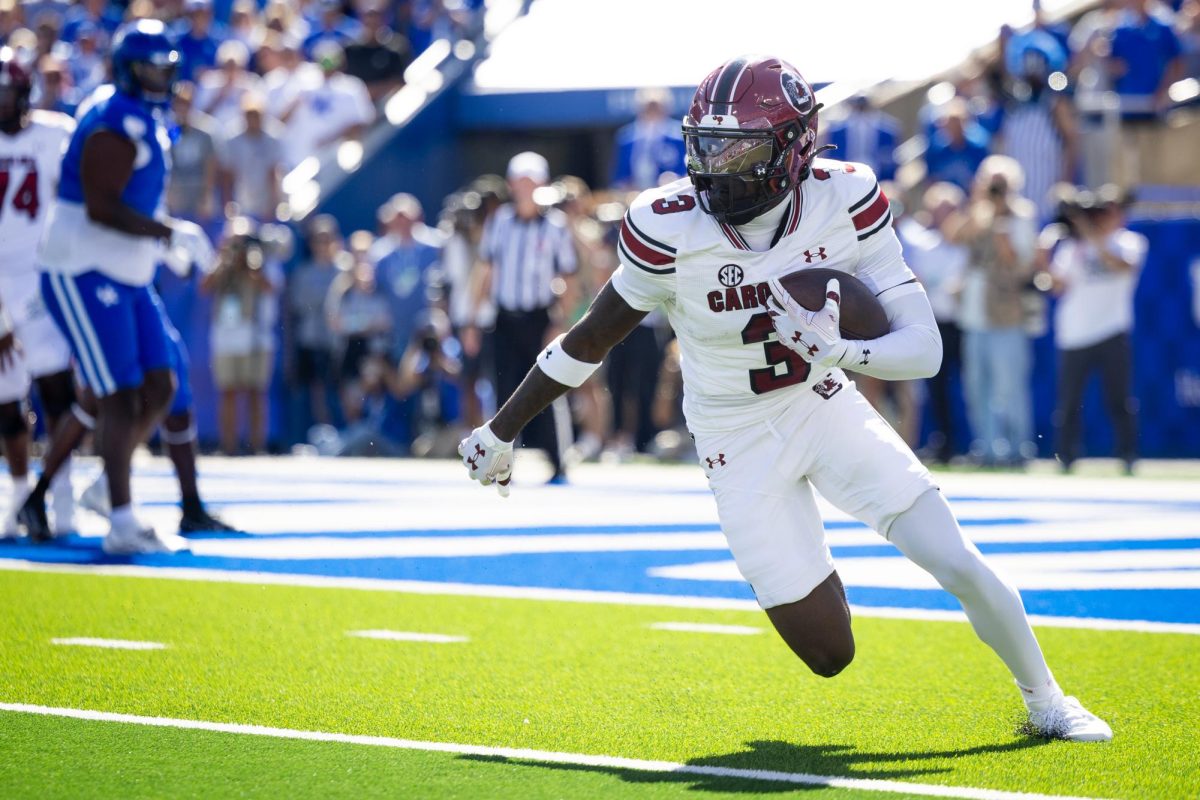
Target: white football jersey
(30,162)
(714,287)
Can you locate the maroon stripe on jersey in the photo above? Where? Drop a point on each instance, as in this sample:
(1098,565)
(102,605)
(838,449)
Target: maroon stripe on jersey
(641,252)
(871,214)
(734,237)
(647,240)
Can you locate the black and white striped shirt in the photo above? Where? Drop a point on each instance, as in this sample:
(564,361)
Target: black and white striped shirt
(526,256)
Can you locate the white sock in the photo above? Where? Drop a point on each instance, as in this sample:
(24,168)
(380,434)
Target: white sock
(929,535)
(123,517)
(1041,694)
(20,484)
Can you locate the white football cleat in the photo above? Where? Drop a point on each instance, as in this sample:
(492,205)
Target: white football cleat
(20,492)
(140,539)
(95,497)
(1062,717)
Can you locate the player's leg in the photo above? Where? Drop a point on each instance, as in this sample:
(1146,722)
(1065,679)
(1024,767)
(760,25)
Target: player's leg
(817,627)
(14,431)
(178,430)
(70,432)
(865,469)
(770,519)
(57,394)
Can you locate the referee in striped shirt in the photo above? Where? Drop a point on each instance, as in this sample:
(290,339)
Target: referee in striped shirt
(529,257)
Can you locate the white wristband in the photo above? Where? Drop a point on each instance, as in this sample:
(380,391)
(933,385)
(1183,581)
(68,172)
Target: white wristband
(559,366)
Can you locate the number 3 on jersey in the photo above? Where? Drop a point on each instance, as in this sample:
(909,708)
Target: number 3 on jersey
(766,379)
(25,198)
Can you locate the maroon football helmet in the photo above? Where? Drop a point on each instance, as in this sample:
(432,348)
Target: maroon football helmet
(751,135)
(15,87)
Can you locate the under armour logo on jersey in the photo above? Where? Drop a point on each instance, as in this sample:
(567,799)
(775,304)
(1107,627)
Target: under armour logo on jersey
(814,255)
(866,355)
(478,454)
(107,295)
(719,461)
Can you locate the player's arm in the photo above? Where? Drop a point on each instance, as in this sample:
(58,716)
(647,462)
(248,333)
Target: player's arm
(565,364)
(609,320)
(106,168)
(645,280)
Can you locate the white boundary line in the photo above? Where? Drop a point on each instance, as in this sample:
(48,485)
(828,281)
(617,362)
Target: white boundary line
(407,636)
(702,627)
(543,756)
(558,595)
(112,644)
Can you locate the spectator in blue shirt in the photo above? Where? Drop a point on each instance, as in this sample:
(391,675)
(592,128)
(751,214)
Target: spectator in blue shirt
(406,256)
(87,61)
(197,39)
(1144,62)
(651,147)
(867,136)
(100,14)
(330,26)
(957,148)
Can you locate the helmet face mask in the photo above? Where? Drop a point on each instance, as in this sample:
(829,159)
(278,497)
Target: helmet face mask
(750,137)
(154,80)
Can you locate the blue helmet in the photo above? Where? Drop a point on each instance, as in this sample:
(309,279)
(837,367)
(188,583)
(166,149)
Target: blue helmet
(144,61)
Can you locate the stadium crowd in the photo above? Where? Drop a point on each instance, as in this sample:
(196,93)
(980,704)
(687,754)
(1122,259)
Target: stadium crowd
(1004,198)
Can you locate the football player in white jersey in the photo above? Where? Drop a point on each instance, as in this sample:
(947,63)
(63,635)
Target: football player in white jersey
(766,399)
(31,347)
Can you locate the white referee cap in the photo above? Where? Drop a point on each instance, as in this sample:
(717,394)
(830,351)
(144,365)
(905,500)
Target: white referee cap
(529,165)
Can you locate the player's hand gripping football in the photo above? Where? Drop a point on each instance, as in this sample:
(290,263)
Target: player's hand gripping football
(487,459)
(815,336)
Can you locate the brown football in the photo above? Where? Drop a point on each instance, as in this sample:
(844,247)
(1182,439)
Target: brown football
(863,316)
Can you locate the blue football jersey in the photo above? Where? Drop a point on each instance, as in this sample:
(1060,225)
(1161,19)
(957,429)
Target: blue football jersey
(108,109)
(74,244)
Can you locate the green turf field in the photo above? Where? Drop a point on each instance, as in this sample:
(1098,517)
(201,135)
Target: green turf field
(924,702)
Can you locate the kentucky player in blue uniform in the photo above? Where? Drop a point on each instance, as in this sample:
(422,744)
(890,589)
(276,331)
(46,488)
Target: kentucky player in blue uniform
(103,241)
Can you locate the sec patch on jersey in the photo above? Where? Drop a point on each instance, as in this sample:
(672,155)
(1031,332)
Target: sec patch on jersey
(862,316)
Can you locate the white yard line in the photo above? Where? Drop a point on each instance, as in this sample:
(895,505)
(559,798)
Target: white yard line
(543,756)
(408,636)
(557,595)
(112,644)
(700,627)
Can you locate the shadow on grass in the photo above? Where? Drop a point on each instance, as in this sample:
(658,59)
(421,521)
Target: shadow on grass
(774,766)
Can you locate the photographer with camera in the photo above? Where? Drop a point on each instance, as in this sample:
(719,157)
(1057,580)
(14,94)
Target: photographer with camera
(999,233)
(426,389)
(1094,273)
(245,288)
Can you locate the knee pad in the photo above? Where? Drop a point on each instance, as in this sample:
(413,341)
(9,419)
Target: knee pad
(12,420)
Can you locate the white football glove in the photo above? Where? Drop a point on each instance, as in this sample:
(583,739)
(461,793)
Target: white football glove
(487,459)
(188,247)
(815,336)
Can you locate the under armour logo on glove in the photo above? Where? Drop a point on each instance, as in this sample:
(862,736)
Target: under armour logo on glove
(488,458)
(473,460)
(813,335)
